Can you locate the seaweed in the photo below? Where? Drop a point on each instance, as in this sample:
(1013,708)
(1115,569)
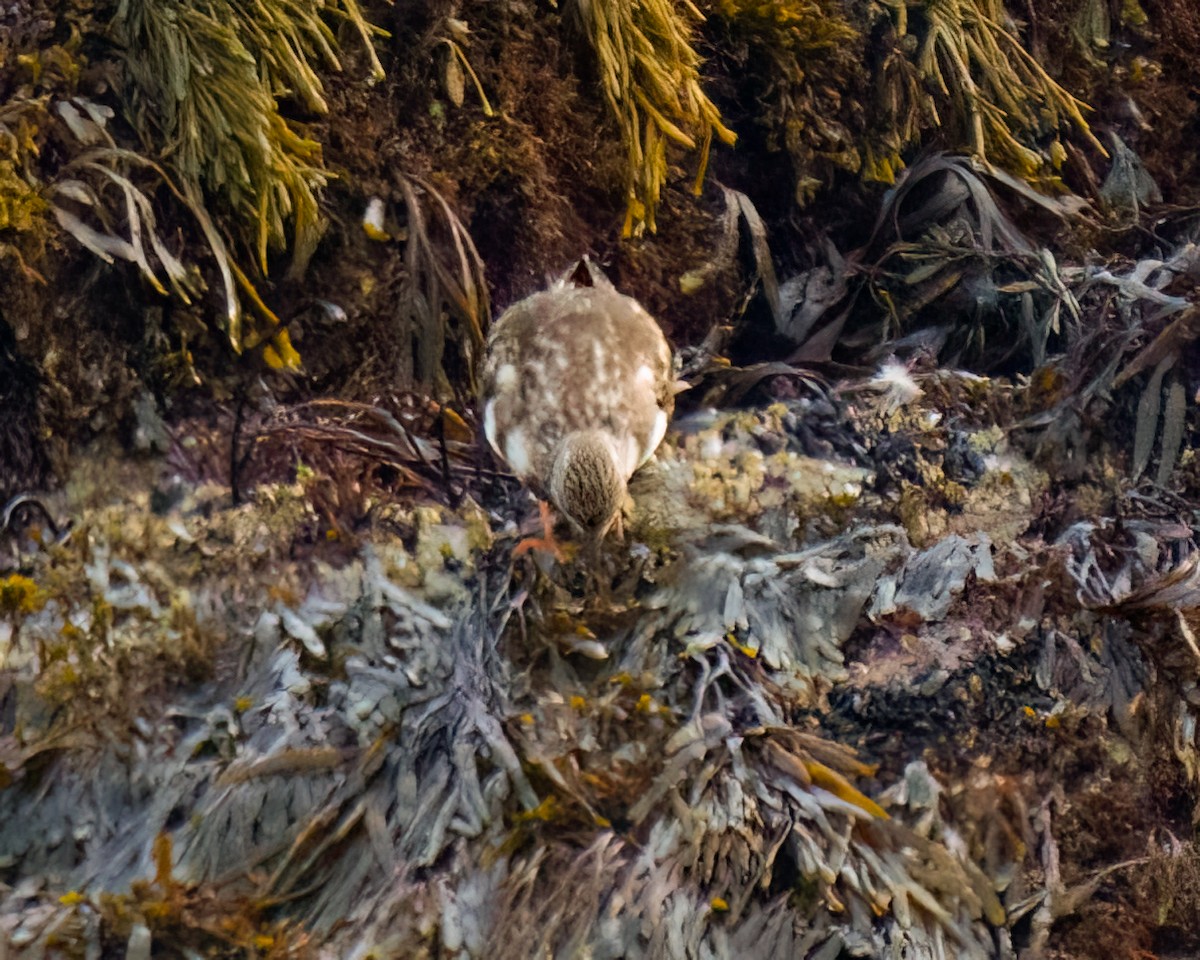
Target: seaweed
(806,61)
(980,82)
(650,73)
(204,85)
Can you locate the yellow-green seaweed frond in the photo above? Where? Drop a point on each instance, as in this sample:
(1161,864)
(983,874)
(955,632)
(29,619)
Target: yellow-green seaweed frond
(21,206)
(651,77)
(970,58)
(802,27)
(205,82)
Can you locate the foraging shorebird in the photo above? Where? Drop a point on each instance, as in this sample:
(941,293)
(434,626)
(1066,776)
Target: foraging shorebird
(577,392)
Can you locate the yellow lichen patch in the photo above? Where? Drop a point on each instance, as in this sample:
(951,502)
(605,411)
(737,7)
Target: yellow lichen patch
(448,543)
(19,594)
(998,504)
(126,606)
(719,475)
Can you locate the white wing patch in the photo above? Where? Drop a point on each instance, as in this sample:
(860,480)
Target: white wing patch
(506,377)
(656,436)
(489,426)
(630,460)
(516,452)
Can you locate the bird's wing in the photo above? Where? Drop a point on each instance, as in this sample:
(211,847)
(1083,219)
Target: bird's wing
(571,359)
(521,387)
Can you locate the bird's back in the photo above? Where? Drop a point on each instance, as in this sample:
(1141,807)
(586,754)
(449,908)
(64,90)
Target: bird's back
(572,359)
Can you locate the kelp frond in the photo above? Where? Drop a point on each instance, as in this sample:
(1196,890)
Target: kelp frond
(205,82)
(972,61)
(441,285)
(85,182)
(651,78)
(947,241)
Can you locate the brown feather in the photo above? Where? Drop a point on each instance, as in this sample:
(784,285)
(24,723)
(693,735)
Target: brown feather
(573,360)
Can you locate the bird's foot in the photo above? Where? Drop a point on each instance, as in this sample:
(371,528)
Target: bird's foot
(541,545)
(545,543)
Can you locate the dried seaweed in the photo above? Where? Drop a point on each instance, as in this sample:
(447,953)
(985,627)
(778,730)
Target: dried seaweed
(105,165)
(1138,564)
(758,801)
(950,241)
(383,720)
(1128,187)
(1147,418)
(1174,413)
(435,288)
(343,725)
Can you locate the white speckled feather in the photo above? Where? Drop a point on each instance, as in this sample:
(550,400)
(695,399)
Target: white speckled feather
(572,359)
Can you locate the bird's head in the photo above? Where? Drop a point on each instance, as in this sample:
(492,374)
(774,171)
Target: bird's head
(585,482)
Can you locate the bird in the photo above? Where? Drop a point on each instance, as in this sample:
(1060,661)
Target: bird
(577,390)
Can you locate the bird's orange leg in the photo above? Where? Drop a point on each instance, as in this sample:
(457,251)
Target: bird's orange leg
(545,542)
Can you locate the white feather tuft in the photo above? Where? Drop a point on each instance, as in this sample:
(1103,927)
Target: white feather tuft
(896,383)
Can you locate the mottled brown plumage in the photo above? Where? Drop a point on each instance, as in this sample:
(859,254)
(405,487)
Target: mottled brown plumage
(577,391)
